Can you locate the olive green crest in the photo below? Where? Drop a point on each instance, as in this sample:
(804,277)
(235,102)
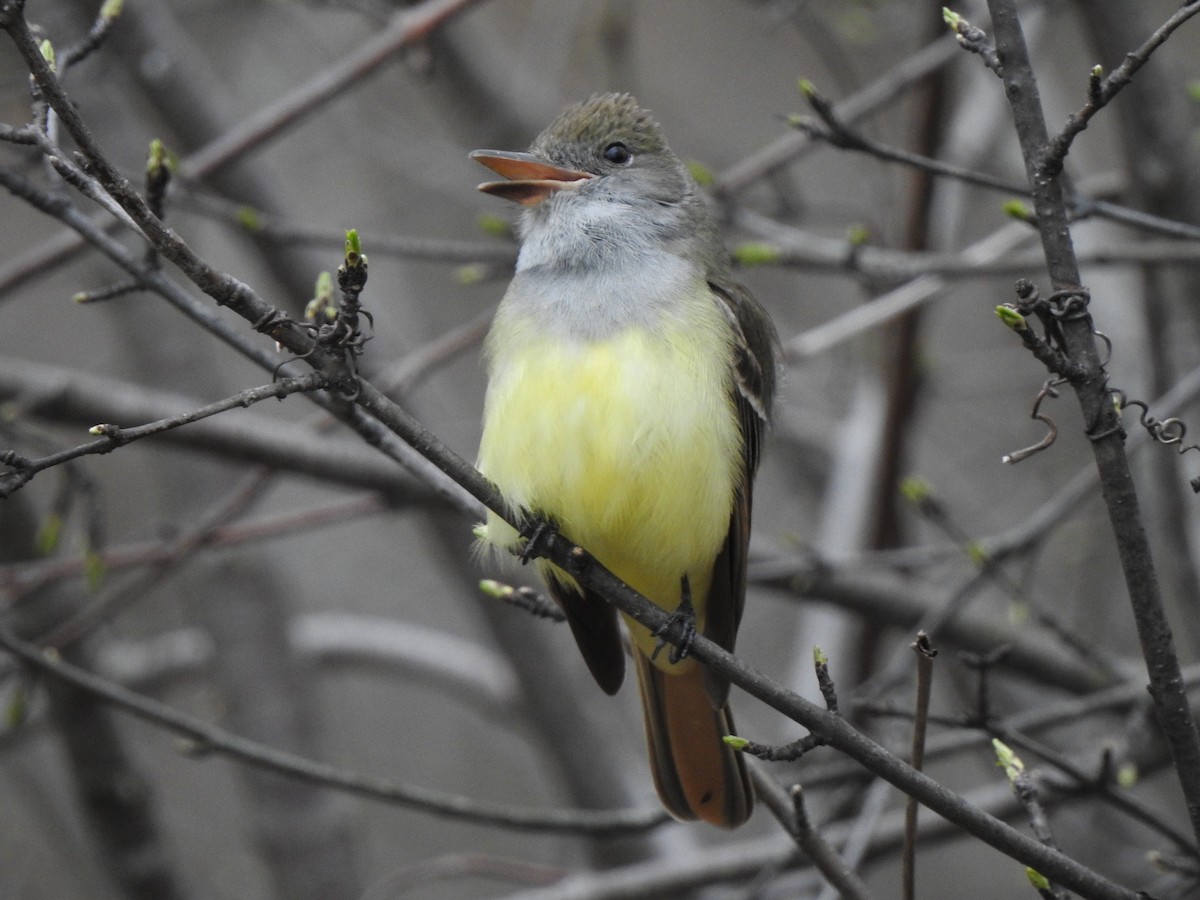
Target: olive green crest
(590,126)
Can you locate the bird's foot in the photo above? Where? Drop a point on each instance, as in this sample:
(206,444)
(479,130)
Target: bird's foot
(682,622)
(538,534)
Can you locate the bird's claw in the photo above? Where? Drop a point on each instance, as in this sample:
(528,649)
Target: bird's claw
(681,622)
(538,534)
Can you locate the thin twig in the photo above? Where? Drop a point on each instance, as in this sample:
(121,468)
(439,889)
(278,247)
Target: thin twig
(1026,791)
(876,95)
(1117,797)
(111,436)
(925,655)
(1102,88)
(837,874)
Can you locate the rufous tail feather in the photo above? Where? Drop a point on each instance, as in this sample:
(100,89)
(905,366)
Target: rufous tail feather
(697,775)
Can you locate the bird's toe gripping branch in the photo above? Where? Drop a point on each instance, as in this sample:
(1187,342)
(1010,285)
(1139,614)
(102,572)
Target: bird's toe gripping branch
(680,628)
(539,533)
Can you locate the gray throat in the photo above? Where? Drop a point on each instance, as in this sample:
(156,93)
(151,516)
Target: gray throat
(590,270)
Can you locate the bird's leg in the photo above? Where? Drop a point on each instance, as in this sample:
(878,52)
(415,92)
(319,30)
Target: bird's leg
(538,533)
(684,618)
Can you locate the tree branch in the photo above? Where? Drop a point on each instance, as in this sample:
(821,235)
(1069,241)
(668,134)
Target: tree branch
(1103,427)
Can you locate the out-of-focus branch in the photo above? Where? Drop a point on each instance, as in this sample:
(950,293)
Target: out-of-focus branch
(211,739)
(874,96)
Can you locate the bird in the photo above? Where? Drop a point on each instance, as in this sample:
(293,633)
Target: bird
(630,381)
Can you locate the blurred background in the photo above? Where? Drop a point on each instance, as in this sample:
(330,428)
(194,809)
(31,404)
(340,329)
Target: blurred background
(329,606)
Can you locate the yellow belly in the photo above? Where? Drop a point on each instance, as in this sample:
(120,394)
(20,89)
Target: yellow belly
(630,444)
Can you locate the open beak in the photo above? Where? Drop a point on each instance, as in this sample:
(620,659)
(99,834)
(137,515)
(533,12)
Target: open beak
(530,179)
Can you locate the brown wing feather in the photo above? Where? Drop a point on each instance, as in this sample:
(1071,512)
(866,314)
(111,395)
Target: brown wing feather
(753,390)
(594,624)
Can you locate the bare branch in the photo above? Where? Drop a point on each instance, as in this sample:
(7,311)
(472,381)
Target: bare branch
(1103,430)
(211,739)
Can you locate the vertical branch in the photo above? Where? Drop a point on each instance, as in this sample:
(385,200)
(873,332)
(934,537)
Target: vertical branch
(1120,497)
(925,654)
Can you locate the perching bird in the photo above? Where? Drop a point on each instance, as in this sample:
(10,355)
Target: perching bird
(630,380)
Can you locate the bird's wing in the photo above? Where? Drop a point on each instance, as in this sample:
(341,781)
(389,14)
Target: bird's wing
(753,391)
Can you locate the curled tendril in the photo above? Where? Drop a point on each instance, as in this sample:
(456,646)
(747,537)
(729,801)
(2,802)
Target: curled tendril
(1108,347)
(1048,390)
(1069,303)
(1169,432)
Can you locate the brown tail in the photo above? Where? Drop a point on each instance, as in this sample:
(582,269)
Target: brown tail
(697,775)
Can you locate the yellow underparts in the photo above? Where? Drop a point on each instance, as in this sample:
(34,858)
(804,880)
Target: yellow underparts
(630,444)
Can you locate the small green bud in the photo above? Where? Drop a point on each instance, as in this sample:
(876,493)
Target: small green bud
(249,218)
(472,273)
(951,18)
(858,235)
(480,532)
(735,743)
(1007,759)
(915,490)
(806,87)
(1011,317)
(47,53)
(1017,209)
(1127,775)
(756,254)
(111,9)
(976,553)
(819,657)
(1097,71)
(49,534)
(496,226)
(496,589)
(161,157)
(1039,881)
(94,570)
(18,705)
(321,305)
(1193,91)
(355,259)
(703,174)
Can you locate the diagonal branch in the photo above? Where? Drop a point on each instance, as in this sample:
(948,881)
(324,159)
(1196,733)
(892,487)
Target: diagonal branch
(1102,89)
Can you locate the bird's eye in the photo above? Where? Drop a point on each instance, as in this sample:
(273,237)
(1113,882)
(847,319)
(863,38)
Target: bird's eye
(618,154)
